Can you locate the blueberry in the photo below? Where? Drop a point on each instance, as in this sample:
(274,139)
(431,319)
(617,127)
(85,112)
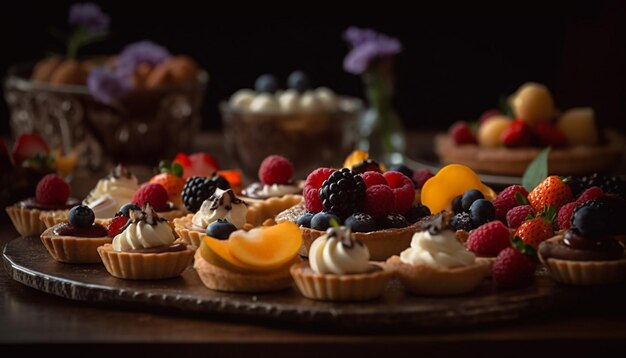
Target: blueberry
(590,221)
(305,219)
(417,212)
(461,221)
(81,216)
(125,209)
(266,83)
(360,222)
(469,197)
(482,211)
(402,169)
(321,220)
(220,229)
(394,221)
(456,204)
(299,81)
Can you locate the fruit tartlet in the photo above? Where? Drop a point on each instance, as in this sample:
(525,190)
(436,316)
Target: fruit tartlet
(275,192)
(586,254)
(145,249)
(76,241)
(156,195)
(112,192)
(436,263)
(339,269)
(52,199)
(249,261)
(222,213)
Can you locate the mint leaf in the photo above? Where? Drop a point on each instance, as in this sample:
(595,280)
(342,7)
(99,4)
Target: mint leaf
(537,171)
(521,199)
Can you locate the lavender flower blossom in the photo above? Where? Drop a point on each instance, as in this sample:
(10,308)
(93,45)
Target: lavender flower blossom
(141,52)
(90,17)
(368,46)
(105,85)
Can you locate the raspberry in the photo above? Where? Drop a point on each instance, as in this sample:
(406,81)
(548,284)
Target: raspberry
(343,192)
(152,193)
(462,133)
(116,226)
(565,215)
(489,239)
(373,178)
(512,269)
(379,200)
(516,216)
(421,176)
(313,182)
(590,194)
(52,189)
(506,200)
(275,169)
(403,191)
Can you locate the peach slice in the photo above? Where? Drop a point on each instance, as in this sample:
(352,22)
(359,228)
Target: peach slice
(266,247)
(216,252)
(355,158)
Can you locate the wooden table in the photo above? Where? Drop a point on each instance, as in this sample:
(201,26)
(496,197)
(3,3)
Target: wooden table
(28,316)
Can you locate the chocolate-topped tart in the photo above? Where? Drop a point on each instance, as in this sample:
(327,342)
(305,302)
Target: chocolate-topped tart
(145,249)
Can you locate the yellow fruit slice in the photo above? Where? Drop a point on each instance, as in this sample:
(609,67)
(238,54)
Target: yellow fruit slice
(354,158)
(216,252)
(266,247)
(450,181)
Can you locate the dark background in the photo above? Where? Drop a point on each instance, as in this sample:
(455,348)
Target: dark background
(457,62)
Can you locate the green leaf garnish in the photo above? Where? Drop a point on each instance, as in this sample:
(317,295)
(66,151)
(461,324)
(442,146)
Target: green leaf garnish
(537,171)
(521,199)
(521,246)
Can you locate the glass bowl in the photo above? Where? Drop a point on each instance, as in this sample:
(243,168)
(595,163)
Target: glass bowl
(143,127)
(309,140)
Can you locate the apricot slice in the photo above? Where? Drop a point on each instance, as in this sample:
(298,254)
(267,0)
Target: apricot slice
(266,247)
(354,158)
(216,252)
(450,181)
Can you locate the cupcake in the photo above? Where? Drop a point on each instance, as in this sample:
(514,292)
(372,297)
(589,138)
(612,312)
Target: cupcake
(145,249)
(52,199)
(223,207)
(111,192)
(249,261)
(436,263)
(76,241)
(339,269)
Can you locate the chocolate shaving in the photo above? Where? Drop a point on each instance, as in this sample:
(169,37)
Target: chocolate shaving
(217,201)
(344,235)
(147,215)
(435,224)
(120,171)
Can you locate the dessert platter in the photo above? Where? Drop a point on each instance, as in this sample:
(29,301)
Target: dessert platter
(357,245)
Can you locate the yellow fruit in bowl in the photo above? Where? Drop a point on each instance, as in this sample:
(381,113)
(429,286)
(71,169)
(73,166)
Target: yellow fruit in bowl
(490,131)
(533,103)
(579,126)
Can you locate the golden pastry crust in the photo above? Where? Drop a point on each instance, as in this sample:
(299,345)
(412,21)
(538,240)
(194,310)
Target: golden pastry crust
(51,218)
(426,280)
(72,249)
(144,266)
(585,272)
(188,232)
(26,221)
(261,210)
(329,287)
(219,279)
(575,160)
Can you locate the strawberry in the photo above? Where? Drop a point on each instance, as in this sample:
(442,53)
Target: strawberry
(461,133)
(27,146)
(116,225)
(517,134)
(549,135)
(171,179)
(513,269)
(508,199)
(197,164)
(535,231)
(489,239)
(552,191)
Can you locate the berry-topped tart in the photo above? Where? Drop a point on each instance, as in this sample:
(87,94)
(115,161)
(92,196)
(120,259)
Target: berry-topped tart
(506,141)
(76,241)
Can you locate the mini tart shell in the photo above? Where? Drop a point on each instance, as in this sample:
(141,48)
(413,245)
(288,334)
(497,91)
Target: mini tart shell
(184,228)
(261,210)
(26,221)
(426,280)
(144,266)
(51,218)
(220,279)
(585,272)
(330,287)
(73,249)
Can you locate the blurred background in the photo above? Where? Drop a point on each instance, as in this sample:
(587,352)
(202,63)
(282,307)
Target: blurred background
(456,63)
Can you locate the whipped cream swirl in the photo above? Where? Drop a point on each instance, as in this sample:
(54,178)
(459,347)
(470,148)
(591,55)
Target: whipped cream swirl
(117,188)
(439,250)
(144,230)
(338,252)
(223,204)
(263,191)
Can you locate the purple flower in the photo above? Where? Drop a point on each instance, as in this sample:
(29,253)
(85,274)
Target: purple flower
(105,85)
(368,46)
(141,52)
(90,17)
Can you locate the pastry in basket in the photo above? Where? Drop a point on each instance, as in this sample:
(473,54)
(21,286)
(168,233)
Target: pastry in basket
(436,263)
(77,240)
(112,192)
(52,199)
(507,141)
(223,209)
(249,261)
(145,249)
(339,269)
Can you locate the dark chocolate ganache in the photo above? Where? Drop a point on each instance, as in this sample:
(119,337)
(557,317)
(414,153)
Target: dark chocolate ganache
(32,203)
(160,249)
(65,229)
(575,247)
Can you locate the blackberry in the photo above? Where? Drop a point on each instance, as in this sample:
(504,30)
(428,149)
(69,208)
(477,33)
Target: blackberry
(199,189)
(367,165)
(608,184)
(574,184)
(462,221)
(343,192)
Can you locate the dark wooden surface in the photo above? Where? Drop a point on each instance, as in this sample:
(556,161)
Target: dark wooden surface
(29,316)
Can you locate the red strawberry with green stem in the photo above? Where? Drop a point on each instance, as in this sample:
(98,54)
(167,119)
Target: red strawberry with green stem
(538,229)
(27,146)
(552,191)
